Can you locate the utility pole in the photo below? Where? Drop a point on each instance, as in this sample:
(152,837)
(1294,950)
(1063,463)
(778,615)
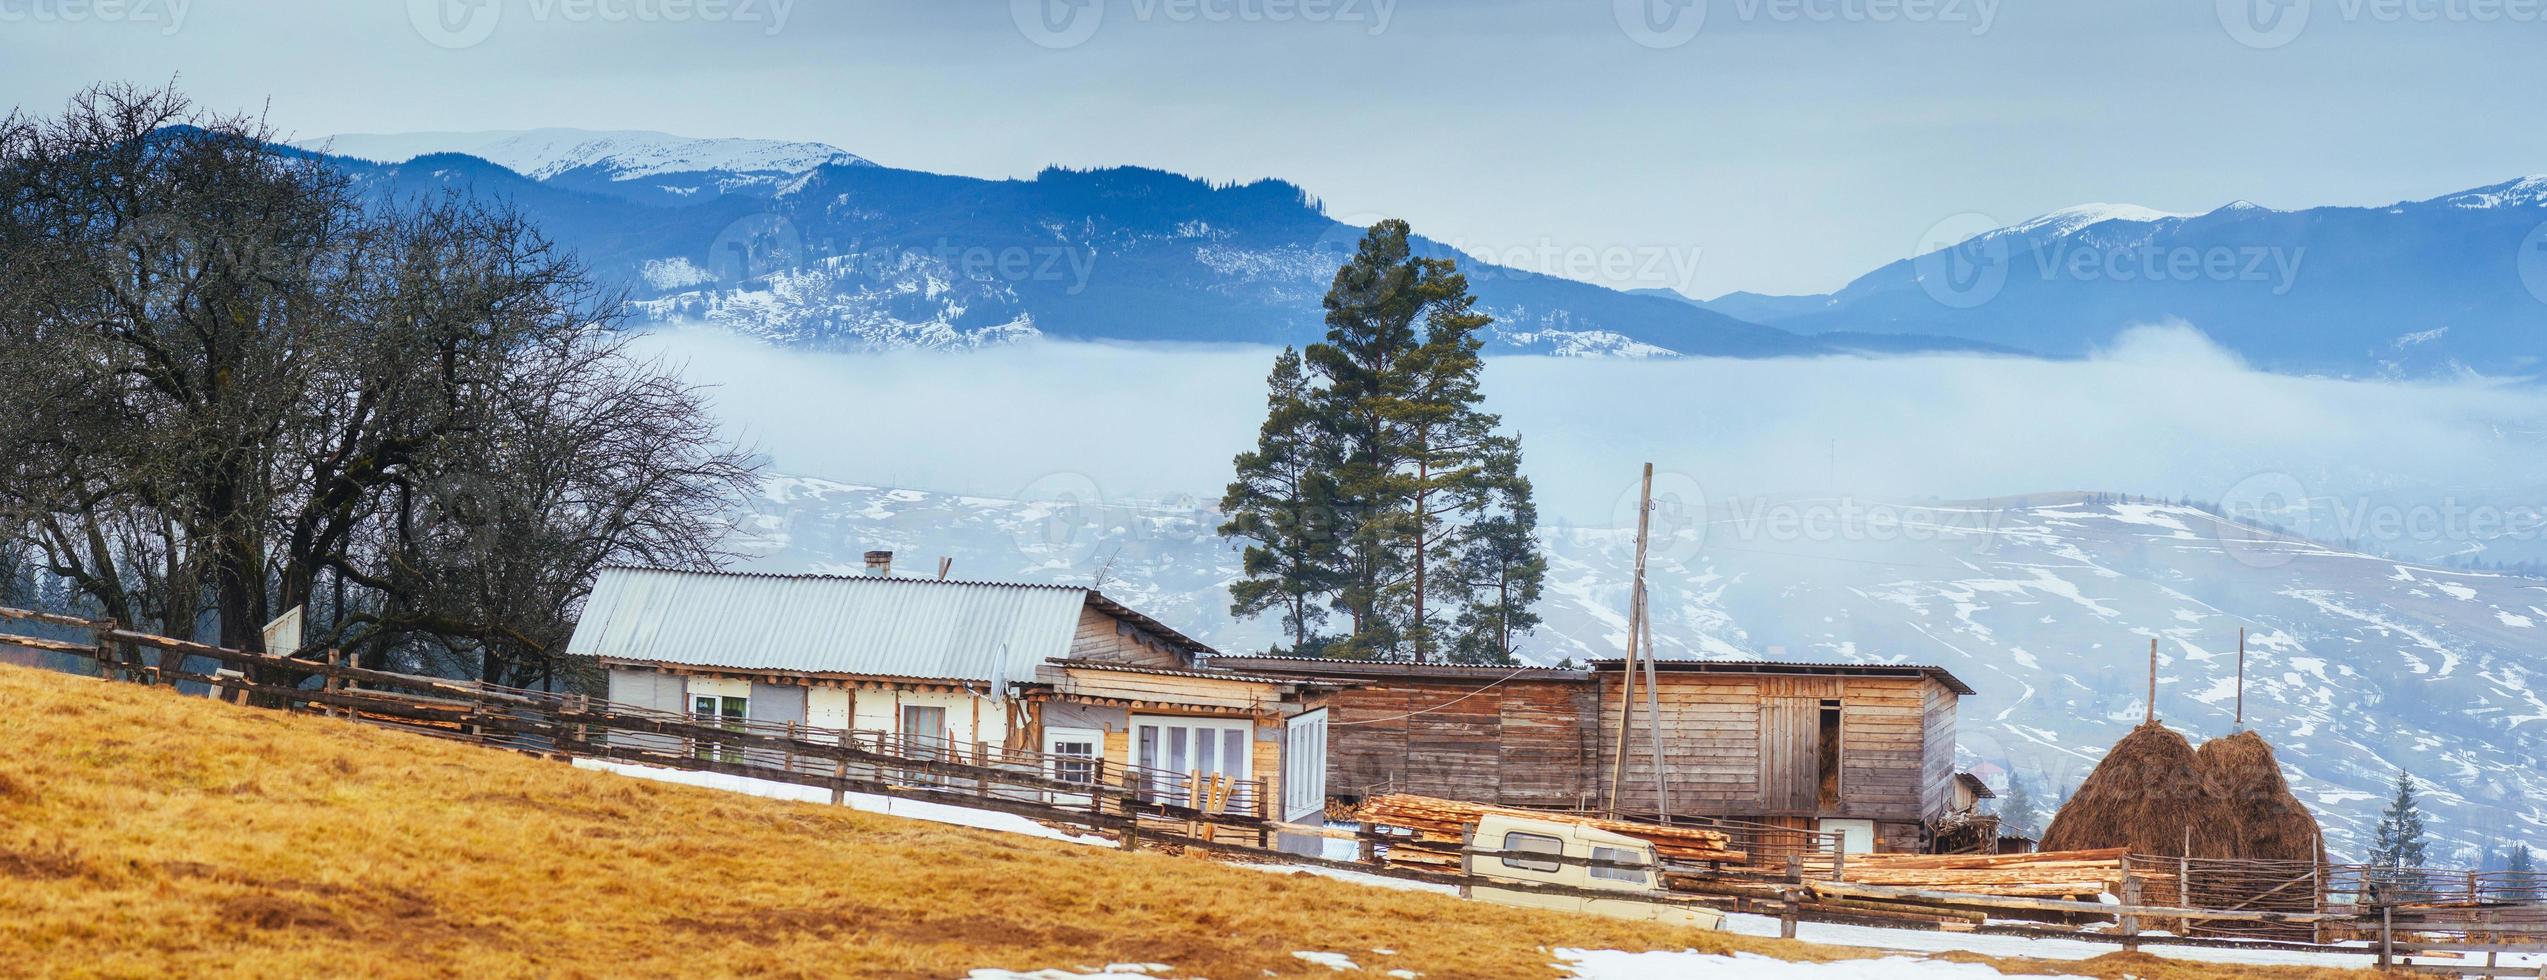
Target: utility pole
(2153,681)
(1635,627)
(1653,687)
(2241,678)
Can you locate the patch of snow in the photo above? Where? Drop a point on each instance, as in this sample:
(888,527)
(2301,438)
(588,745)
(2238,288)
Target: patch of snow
(1333,961)
(868,802)
(1610,964)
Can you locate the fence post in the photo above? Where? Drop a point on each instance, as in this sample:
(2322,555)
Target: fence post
(1791,896)
(106,665)
(981,760)
(2387,935)
(2130,921)
(1131,812)
(335,659)
(840,769)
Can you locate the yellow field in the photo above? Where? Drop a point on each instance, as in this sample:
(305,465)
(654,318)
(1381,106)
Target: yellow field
(147,834)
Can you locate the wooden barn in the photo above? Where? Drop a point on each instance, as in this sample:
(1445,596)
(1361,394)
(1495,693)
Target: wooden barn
(1516,737)
(1866,751)
(956,668)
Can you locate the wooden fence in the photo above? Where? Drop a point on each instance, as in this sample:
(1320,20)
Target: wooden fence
(2402,913)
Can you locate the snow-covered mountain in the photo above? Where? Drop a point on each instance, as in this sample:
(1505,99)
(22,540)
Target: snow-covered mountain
(2355,664)
(850,255)
(2440,286)
(641,165)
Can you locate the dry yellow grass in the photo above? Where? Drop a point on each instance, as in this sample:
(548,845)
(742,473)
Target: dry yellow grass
(147,834)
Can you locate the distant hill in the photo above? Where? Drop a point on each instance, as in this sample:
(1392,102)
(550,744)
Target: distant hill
(2416,289)
(806,245)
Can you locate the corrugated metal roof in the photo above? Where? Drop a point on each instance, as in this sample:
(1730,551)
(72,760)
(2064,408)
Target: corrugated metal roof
(885,627)
(1940,674)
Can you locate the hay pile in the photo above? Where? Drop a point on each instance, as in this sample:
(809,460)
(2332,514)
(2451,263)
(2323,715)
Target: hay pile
(2270,823)
(2153,793)
(2144,796)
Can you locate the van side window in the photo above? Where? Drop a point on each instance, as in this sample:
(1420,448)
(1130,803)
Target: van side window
(1618,855)
(1533,844)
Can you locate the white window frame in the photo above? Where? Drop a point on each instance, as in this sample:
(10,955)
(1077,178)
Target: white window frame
(1055,759)
(1304,765)
(1162,761)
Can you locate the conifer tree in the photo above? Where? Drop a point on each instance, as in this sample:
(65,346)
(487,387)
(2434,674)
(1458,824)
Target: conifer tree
(2524,874)
(1500,567)
(2016,808)
(1411,474)
(1282,501)
(2399,844)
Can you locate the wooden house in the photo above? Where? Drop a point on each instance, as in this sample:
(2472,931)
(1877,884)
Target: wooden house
(1866,751)
(956,667)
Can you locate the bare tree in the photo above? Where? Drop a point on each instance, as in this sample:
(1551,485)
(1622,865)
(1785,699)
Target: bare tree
(255,382)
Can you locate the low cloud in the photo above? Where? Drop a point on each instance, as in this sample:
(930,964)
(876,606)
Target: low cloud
(2162,412)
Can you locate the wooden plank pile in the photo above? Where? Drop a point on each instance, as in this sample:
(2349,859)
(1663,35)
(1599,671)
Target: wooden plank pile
(2049,874)
(1440,829)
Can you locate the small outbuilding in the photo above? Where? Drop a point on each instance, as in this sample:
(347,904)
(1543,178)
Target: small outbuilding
(1865,751)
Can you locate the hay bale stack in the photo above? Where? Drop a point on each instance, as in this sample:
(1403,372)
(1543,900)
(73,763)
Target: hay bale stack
(2270,822)
(2145,795)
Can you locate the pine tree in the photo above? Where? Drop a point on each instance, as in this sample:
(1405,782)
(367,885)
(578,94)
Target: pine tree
(1500,566)
(2523,870)
(1282,501)
(1413,475)
(2399,843)
(2016,808)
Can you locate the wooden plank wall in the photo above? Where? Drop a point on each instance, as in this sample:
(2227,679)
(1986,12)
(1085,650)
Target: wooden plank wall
(1098,638)
(1749,745)
(1711,743)
(1937,772)
(1519,743)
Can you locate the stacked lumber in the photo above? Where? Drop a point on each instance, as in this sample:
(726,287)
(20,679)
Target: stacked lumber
(2049,874)
(1440,829)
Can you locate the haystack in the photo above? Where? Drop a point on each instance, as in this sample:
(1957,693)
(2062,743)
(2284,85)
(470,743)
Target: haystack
(2270,822)
(2146,795)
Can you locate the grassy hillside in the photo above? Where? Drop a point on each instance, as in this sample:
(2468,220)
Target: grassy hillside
(143,833)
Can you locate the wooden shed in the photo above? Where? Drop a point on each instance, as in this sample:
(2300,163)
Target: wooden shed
(1511,736)
(1866,751)
(1862,750)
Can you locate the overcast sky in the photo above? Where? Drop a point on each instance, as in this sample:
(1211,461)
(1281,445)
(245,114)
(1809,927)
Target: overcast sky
(1775,145)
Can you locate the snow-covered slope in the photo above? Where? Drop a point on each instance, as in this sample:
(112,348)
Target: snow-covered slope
(645,165)
(2356,664)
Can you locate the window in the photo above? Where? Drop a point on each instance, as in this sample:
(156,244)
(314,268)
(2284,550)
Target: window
(1618,855)
(1179,751)
(1532,844)
(1304,765)
(924,736)
(1073,755)
(724,711)
(1830,753)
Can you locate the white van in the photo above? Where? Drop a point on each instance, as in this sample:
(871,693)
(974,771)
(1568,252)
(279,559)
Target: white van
(1499,849)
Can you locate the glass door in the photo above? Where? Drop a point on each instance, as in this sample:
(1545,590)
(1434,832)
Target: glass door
(724,711)
(924,736)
